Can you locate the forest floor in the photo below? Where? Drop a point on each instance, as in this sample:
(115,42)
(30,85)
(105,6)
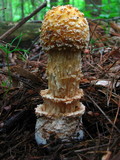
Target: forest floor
(21,80)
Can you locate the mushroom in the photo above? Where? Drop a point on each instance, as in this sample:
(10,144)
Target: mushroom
(64,34)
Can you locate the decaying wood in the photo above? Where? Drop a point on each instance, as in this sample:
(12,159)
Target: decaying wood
(24,20)
(24,73)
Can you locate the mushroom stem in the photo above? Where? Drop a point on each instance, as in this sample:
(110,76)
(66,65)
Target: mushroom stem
(64,74)
(61,113)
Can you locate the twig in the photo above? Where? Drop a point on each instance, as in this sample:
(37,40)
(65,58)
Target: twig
(36,56)
(36,39)
(92,32)
(103,113)
(14,28)
(90,148)
(17,145)
(35,21)
(107,19)
(4,65)
(112,130)
(11,121)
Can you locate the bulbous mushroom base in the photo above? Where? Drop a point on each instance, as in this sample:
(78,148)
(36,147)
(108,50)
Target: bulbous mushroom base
(65,127)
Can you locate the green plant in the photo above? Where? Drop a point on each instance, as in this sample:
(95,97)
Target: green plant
(108,9)
(7,50)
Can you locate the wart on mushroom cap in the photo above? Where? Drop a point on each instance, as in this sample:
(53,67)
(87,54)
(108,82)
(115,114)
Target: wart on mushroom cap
(64,33)
(64,27)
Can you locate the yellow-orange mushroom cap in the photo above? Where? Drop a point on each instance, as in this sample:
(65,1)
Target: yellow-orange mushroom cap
(64,27)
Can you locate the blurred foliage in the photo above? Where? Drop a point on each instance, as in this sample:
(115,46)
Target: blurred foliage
(13,11)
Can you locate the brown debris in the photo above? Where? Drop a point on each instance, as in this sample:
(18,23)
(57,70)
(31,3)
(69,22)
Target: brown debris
(115,26)
(17,104)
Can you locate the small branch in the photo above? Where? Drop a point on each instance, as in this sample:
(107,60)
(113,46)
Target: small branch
(24,20)
(92,32)
(4,65)
(89,148)
(107,19)
(35,21)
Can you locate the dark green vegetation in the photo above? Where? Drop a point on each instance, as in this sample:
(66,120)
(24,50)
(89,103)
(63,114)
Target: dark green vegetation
(16,10)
